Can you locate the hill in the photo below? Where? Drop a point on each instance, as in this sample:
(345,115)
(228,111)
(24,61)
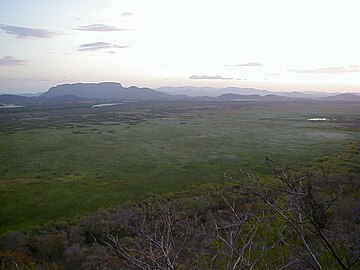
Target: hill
(215,92)
(106,91)
(87,93)
(7,99)
(344,97)
(271,97)
(210,91)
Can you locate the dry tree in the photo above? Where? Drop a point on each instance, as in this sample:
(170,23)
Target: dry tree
(152,237)
(293,199)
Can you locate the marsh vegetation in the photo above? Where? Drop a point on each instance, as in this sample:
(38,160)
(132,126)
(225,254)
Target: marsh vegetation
(73,176)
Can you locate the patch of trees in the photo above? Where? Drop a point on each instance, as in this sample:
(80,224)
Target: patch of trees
(287,222)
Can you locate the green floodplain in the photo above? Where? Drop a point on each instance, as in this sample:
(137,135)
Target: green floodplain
(59,163)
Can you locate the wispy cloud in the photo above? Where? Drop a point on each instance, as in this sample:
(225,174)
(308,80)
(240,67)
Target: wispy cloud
(329,70)
(25,79)
(99,46)
(100,28)
(126,14)
(26,32)
(250,64)
(207,77)
(11,61)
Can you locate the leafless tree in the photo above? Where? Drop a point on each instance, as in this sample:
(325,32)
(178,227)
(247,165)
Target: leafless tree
(287,218)
(240,231)
(156,239)
(236,231)
(293,199)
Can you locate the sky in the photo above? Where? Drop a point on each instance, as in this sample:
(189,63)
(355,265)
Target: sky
(281,45)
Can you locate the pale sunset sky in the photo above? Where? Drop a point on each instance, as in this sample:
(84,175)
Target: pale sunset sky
(283,45)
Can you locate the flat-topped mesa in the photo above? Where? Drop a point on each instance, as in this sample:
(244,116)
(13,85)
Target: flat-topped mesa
(105,90)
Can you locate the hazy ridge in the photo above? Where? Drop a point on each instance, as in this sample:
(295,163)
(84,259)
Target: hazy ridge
(115,92)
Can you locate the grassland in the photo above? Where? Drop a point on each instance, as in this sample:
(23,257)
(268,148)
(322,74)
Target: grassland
(63,162)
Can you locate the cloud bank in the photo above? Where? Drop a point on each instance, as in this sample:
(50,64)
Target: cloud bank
(26,32)
(207,77)
(100,28)
(126,14)
(250,64)
(11,61)
(99,46)
(329,70)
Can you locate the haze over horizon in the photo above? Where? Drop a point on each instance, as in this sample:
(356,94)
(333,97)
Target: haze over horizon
(275,45)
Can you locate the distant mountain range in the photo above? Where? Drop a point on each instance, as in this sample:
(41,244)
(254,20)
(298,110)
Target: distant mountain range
(254,97)
(87,93)
(7,99)
(211,92)
(345,96)
(215,92)
(115,92)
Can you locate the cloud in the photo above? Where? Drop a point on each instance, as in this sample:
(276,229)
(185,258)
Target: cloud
(99,46)
(207,77)
(126,14)
(250,64)
(329,70)
(11,61)
(26,32)
(24,79)
(100,28)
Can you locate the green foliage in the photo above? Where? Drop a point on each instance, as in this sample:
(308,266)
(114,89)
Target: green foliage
(62,163)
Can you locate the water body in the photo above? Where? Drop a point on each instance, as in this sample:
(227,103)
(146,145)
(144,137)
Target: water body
(105,105)
(9,106)
(318,119)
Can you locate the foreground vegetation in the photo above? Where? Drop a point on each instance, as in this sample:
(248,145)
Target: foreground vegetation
(64,162)
(186,186)
(290,222)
